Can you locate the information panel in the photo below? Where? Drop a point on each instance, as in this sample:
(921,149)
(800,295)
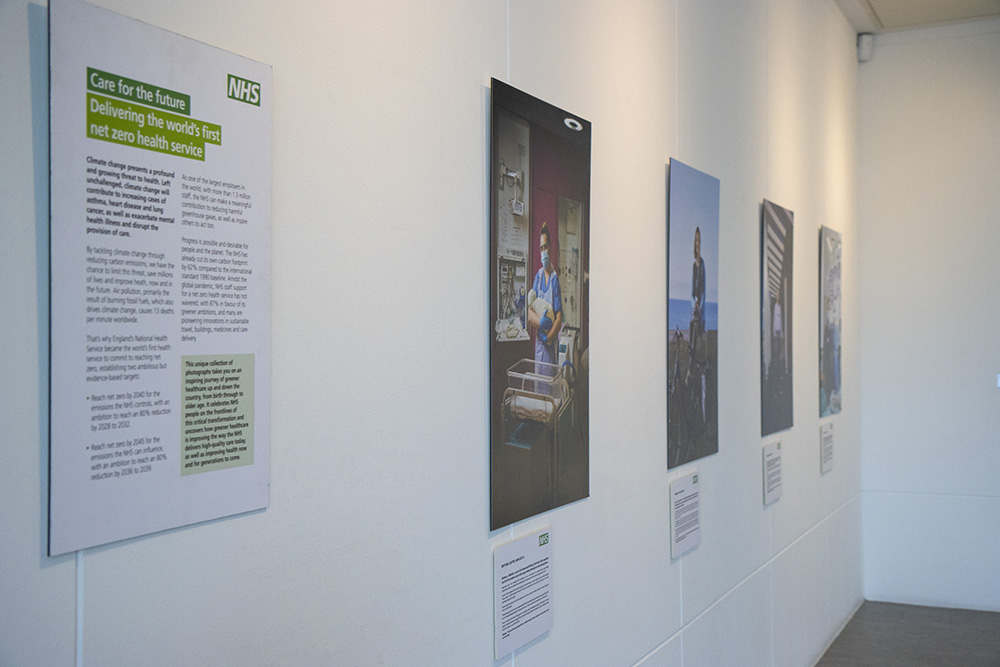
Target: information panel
(771,472)
(522,591)
(160,267)
(685,516)
(826,447)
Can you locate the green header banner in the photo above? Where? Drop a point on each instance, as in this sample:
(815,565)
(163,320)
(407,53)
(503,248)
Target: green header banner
(132,125)
(138,91)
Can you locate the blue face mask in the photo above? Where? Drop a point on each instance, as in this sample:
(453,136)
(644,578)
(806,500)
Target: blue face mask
(545,258)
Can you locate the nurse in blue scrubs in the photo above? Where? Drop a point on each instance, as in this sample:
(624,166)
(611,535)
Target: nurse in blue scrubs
(546,286)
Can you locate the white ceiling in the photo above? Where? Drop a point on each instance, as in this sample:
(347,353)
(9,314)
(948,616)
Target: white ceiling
(882,15)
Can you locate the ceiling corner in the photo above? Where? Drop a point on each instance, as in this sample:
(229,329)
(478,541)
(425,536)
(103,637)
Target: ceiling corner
(860,15)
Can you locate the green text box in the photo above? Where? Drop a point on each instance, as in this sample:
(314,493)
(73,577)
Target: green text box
(150,129)
(124,88)
(217,421)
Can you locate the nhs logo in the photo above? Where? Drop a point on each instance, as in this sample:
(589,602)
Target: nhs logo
(243,90)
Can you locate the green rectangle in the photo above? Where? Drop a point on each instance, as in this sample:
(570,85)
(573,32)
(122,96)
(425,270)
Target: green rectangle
(217,418)
(138,91)
(150,129)
(243,90)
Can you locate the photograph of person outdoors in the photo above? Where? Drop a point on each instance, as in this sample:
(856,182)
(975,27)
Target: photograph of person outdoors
(697,324)
(692,314)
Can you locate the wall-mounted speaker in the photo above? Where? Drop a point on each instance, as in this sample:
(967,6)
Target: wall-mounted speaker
(866,41)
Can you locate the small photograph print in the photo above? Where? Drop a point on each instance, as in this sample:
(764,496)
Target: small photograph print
(539,312)
(829,322)
(692,314)
(775,319)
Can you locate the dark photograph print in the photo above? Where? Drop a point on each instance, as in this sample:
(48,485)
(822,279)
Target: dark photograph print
(692,314)
(539,306)
(775,319)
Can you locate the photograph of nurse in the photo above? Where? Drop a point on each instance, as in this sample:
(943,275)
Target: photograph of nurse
(539,310)
(545,321)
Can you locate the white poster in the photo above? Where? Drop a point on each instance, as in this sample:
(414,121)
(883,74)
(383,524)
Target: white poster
(160,268)
(685,518)
(522,591)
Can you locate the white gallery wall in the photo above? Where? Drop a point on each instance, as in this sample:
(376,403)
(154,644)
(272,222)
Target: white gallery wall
(375,549)
(929,204)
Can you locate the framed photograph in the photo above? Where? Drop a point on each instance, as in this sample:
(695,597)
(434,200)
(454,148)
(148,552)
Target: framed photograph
(775,318)
(539,306)
(692,314)
(829,322)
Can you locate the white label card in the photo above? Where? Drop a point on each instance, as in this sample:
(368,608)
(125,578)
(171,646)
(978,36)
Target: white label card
(772,472)
(826,447)
(685,520)
(522,591)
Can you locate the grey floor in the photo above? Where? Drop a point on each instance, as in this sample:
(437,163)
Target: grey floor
(896,635)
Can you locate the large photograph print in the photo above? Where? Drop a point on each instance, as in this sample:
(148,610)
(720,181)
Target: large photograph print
(538,314)
(775,319)
(692,314)
(829,322)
